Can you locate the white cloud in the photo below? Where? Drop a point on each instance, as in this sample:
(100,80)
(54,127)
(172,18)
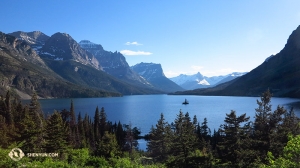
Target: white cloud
(129,52)
(133,43)
(196,67)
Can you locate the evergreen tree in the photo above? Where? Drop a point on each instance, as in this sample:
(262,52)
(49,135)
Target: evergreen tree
(261,125)
(73,133)
(81,132)
(29,132)
(160,140)
(108,146)
(120,135)
(103,122)
(56,134)
(131,142)
(97,125)
(184,141)
(233,134)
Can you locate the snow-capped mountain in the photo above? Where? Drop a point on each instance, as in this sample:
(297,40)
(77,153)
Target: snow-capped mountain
(197,80)
(154,74)
(182,78)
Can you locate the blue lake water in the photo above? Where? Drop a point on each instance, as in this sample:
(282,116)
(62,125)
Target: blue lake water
(143,111)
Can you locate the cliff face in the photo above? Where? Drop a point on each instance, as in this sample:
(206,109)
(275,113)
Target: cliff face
(155,75)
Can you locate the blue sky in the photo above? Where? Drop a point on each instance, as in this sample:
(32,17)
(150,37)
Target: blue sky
(212,37)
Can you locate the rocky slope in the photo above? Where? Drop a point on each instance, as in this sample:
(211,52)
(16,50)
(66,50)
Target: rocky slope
(61,46)
(23,70)
(114,63)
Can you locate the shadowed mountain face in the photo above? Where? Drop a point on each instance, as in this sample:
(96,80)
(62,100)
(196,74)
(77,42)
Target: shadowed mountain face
(279,73)
(114,63)
(22,69)
(61,69)
(35,39)
(155,75)
(62,46)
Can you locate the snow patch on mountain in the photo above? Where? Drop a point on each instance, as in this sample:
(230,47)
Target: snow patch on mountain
(203,82)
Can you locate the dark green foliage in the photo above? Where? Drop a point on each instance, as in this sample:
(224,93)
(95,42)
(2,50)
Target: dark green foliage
(56,134)
(183,143)
(233,135)
(160,137)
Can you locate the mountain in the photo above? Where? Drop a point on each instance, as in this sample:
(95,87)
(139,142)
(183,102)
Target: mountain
(114,63)
(196,81)
(154,74)
(35,39)
(61,46)
(79,66)
(230,77)
(279,73)
(24,71)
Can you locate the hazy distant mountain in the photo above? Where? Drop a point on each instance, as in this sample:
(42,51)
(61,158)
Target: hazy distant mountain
(279,73)
(154,74)
(114,63)
(190,82)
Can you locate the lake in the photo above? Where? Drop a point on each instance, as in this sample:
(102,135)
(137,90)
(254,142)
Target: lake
(143,111)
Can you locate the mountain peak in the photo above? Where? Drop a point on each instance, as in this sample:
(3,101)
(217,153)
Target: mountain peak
(293,41)
(61,46)
(149,70)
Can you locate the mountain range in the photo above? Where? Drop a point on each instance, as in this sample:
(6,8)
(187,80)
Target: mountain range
(58,66)
(196,81)
(279,73)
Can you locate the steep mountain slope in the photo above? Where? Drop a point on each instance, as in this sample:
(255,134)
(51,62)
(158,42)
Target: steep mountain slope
(114,64)
(22,69)
(88,76)
(35,39)
(61,46)
(279,73)
(154,74)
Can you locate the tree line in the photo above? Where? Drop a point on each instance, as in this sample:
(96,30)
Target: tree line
(186,142)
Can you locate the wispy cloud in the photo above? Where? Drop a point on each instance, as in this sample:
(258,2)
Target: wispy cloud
(134,53)
(133,43)
(196,67)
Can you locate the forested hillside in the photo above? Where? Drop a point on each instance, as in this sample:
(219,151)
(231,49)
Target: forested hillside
(271,140)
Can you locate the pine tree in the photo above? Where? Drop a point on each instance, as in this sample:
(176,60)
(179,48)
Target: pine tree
(73,133)
(120,135)
(97,125)
(160,140)
(184,141)
(103,122)
(131,142)
(261,125)
(81,132)
(56,134)
(29,132)
(233,133)
(108,146)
